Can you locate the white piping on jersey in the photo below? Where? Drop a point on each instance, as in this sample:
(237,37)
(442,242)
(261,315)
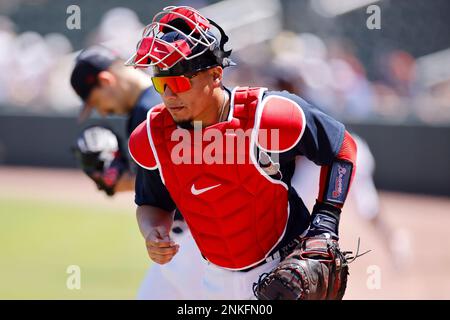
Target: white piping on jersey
(302,130)
(140,164)
(152,145)
(253,139)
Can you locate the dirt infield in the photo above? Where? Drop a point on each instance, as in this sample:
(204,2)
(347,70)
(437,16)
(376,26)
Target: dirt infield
(425,272)
(420,222)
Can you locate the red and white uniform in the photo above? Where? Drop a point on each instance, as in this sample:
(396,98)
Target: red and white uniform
(239,214)
(231,215)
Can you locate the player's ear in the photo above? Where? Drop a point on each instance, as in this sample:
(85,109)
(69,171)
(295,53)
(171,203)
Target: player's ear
(106,78)
(217,75)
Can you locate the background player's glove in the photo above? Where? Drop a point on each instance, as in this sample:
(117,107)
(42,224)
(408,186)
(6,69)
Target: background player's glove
(99,153)
(315,270)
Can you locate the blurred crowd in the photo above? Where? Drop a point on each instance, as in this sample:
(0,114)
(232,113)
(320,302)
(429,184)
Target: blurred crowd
(30,66)
(327,72)
(36,68)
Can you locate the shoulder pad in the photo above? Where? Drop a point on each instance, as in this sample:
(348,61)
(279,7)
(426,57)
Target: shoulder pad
(281,124)
(140,149)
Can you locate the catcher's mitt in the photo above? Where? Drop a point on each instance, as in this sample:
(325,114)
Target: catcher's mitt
(316,269)
(99,153)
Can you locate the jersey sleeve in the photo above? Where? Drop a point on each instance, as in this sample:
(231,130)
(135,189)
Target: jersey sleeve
(149,190)
(324,141)
(321,135)
(336,178)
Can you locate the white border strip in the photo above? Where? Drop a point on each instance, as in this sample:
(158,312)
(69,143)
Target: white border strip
(152,145)
(134,159)
(253,139)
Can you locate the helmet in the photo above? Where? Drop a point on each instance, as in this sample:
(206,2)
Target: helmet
(178,41)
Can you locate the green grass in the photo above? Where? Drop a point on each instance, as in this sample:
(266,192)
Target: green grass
(39,240)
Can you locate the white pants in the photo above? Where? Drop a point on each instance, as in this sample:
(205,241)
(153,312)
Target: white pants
(180,279)
(223,284)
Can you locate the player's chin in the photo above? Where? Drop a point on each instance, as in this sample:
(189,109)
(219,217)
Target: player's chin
(162,261)
(184,122)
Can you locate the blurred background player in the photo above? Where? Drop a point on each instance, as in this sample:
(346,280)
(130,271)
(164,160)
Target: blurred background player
(103,83)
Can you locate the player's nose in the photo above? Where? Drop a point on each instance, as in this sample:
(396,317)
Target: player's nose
(168,92)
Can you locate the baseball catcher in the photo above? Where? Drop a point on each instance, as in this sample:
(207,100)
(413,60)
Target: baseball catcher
(238,202)
(101,158)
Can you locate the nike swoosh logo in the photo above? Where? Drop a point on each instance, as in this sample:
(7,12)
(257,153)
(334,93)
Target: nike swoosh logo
(159,51)
(196,192)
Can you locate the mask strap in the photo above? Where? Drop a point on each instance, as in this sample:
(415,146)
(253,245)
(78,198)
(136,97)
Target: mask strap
(223,39)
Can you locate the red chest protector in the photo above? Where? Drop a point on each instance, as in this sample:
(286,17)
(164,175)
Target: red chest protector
(236,213)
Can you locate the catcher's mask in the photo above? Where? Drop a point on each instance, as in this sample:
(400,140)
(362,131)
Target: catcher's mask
(178,42)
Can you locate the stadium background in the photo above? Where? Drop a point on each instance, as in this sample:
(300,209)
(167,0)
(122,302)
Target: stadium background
(391,86)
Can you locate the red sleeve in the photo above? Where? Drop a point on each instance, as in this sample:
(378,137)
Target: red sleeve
(336,178)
